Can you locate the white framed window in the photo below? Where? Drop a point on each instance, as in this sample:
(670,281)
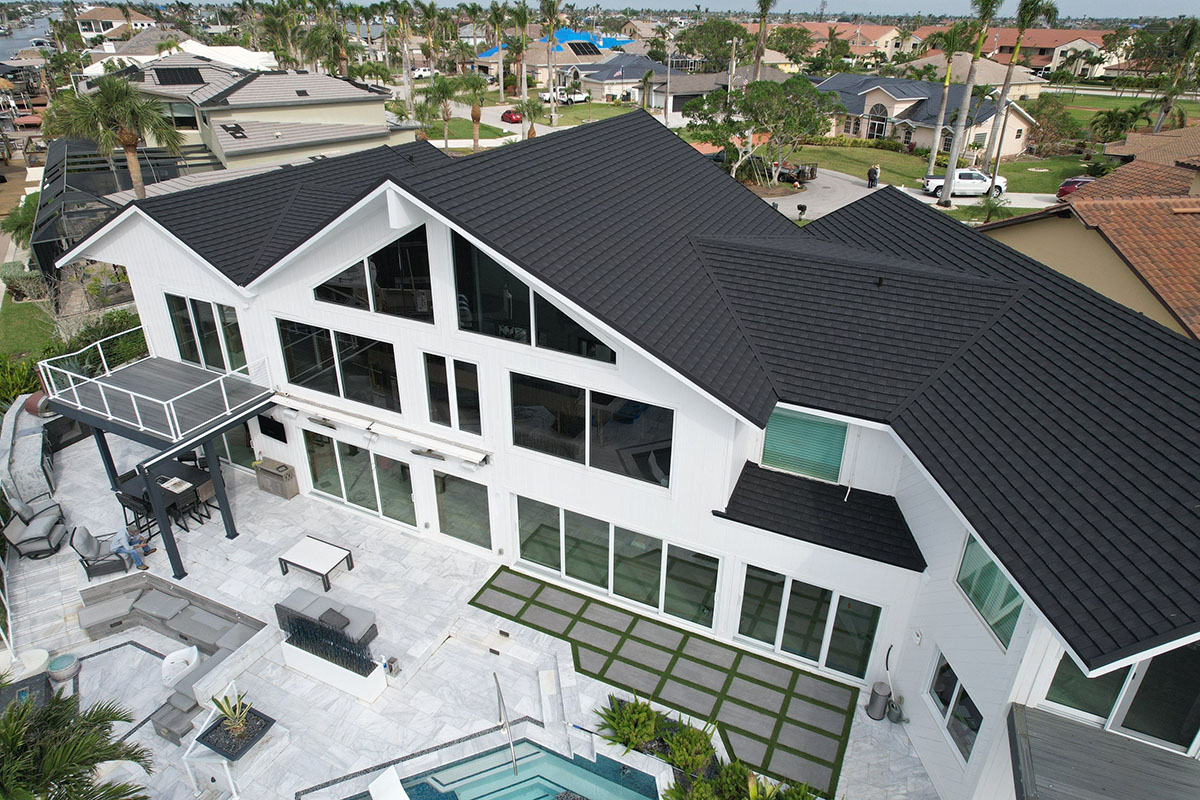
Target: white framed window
(452,391)
(961,717)
(989,591)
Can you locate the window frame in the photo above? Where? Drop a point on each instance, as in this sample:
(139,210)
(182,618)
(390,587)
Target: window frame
(450,363)
(835,599)
(337,365)
(365,274)
(850,428)
(945,716)
(188,300)
(962,553)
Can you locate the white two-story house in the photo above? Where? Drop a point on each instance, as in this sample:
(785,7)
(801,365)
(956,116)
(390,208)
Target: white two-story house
(879,447)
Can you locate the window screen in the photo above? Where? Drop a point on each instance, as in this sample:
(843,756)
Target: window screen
(804,444)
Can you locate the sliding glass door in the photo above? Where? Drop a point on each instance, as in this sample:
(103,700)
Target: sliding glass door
(1162,700)
(365,479)
(207,334)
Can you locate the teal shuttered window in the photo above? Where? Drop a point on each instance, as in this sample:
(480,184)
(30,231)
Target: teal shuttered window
(804,444)
(989,591)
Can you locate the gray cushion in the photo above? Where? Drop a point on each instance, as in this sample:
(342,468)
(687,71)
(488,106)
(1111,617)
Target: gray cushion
(298,599)
(19,507)
(361,621)
(319,606)
(160,605)
(235,637)
(199,626)
(184,702)
(39,528)
(108,610)
(333,619)
(84,543)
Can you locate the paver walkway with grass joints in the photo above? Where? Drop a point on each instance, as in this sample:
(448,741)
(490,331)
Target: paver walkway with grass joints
(779,720)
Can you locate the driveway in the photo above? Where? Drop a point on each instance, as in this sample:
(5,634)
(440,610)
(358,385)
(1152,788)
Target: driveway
(829,192)
(1015,199)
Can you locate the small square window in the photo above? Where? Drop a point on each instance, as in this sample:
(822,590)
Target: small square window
(961,716)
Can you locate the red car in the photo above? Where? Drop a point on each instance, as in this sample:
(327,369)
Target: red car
(1071,184)
(510,116)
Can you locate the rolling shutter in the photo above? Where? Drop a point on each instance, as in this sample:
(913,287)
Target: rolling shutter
(804,444)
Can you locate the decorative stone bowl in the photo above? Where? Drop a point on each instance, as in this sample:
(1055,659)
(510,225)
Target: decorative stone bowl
(63,668)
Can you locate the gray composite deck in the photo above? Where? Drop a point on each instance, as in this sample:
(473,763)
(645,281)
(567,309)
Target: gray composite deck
(1055,758)
(162,379)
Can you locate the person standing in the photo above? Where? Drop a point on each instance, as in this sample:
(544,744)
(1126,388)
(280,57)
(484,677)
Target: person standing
(872,176)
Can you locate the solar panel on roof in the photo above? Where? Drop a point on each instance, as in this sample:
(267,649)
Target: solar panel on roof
(583,48)
(178,76)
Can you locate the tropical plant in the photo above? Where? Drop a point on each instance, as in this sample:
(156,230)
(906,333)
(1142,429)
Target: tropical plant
(760,43)
(530,109)
(985,12)
(990,207)
(497,15)
(233,713)
(50,751)
(18,224)
(646,82)
(472,90)
(1182,43)
(1111,124)
(113,116)
(630,723)
(730,781)
(1029,14)
(760,788)
(550,11)
(441,92)
(949,40)
(518,44)
(690,748)
(328,45)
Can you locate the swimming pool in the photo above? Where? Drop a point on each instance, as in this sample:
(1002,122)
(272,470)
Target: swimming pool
(541,775)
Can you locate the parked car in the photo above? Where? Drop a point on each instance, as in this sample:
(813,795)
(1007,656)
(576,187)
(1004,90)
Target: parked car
(966,181)
(1072,184)
(564,96)
(425,72)
(511,115)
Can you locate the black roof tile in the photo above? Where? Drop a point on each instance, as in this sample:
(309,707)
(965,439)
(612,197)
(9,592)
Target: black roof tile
(857,522)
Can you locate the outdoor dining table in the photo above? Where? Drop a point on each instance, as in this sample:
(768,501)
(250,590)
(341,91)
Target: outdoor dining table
(175,480)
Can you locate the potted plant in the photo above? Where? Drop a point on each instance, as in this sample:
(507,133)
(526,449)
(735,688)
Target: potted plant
(238,727)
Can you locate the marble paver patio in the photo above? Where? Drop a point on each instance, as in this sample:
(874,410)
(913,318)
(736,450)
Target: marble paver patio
(420,587)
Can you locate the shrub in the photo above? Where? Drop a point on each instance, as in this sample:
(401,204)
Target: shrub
(17,378)
(697,790)
(23,284)
(630,723)
(690,748)
(844,141)
(731,781)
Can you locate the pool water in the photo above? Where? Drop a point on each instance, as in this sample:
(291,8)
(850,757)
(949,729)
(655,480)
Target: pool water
(541,775)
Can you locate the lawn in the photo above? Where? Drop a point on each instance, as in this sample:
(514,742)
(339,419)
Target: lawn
(1026,175)
(25,329)
(968,213)
(1084,106)
(460,128)
(582,112)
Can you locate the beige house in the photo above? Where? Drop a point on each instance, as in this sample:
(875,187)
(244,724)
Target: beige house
(1133,236)
(906,110)
(639,29)
(1025,84)
(1044,49)
(105,20)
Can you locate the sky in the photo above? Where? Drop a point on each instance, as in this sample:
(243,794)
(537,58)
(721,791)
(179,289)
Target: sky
(1066,8)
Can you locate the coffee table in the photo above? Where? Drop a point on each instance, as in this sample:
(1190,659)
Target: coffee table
(316,556)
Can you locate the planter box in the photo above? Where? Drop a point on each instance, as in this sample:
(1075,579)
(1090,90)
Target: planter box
(367,687)
(243,746)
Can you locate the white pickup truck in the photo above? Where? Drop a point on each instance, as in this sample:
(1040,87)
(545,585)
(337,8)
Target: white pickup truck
(563,96)
(966,181)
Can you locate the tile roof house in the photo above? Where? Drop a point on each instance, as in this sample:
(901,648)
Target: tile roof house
(1133,235)
(1025,85)
(1164,147)
(107,21)
(881,439)
(1047,49)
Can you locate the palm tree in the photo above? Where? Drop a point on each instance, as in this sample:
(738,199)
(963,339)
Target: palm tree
(51,751)
(1110,125)
(472,89)
(950,41)
(424,114)
(1183,44)
(113,116)
(530,109)
(464,53)
(550,12)
(1029,14)
(441,92)
(985,12)
(429,16)
(496,17)
(328,44)
(248,16)
(402,12)
(764,8)
(18,223)
(521,14)
(647,79)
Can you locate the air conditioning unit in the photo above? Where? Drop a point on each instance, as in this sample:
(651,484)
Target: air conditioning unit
(277,478)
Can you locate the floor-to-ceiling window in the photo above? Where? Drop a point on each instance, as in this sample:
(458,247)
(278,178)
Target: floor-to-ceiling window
(207,333)
(463,509)
(365,479)
(808,621)
(395,489)
(619,562)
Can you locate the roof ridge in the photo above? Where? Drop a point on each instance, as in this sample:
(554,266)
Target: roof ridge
(222,95)
(278,221)
(737,318)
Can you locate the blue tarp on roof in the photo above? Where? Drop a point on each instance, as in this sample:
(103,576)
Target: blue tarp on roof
(570,35)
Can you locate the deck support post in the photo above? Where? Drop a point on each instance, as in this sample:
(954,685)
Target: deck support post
(214,470)
(164,524)
(110,469)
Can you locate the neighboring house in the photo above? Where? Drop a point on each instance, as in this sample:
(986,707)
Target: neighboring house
(1166,147)
(101,20)
(906,111)
(474,34)
(142,49)
(1133,236)
(571,48)
(247,117)
(1025,85)
(880,447)
(686,88)
(639,30)
(1043,49)
(864,40)
(617,77)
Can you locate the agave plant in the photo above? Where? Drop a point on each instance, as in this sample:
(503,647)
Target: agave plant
(233,713)
(630,723)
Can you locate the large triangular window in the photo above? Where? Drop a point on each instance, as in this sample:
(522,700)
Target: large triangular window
(393,280)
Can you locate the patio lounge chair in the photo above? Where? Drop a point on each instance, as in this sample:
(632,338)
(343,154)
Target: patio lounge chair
(36,529)
(94,555)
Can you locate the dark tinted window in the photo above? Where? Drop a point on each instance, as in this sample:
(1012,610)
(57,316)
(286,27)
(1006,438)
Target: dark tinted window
(185,336)
(347,288)
(210,342)
(368,371)
(490,299)
(439,389)
(631,438)
(548,417)
(308,356)
(466,387)
(400,277)
(557,331)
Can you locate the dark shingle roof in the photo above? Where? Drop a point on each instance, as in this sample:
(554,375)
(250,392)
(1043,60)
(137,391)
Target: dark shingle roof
(852,90)
(1067,432)
(862,523)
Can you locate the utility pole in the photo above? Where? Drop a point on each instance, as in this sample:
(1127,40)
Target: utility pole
(667,91)
(732,61)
